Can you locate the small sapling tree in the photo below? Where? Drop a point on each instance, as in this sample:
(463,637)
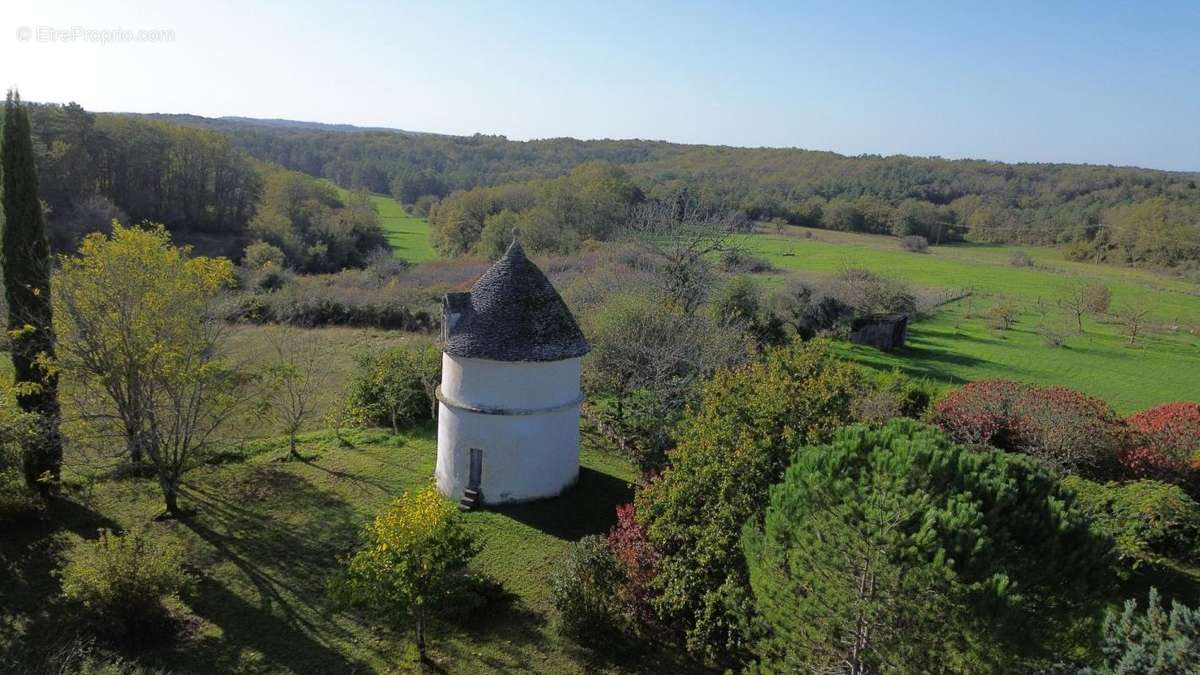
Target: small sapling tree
(295,381)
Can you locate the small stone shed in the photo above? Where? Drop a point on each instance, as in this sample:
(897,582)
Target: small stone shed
(882,331)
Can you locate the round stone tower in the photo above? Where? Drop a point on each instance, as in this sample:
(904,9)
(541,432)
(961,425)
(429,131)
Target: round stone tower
(508,405)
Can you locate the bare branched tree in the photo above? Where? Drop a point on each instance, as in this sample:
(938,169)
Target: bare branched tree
(1074,302)
(1134,317)
(682,237)
(649,364)
(1084,299)
(295,381)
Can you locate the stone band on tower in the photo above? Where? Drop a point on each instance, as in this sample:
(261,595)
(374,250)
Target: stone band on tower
(508,405)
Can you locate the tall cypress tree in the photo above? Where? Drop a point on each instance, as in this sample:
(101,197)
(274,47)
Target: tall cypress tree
(25,257)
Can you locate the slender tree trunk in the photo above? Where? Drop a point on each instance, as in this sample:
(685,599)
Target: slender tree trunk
(421,655)
(292,445)
(170,490)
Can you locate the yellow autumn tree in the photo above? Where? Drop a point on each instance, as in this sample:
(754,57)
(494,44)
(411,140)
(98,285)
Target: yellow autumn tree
(140,341)
(413,561)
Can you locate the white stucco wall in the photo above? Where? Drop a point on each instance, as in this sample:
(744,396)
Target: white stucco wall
(523,416)
(520,385)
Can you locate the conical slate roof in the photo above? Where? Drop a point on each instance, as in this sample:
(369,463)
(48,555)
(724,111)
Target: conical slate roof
(512,313)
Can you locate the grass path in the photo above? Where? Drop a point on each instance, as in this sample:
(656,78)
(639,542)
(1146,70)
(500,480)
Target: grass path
(407,235)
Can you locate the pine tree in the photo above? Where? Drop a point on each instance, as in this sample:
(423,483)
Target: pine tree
(893,550)
(1156,642)
(25,257)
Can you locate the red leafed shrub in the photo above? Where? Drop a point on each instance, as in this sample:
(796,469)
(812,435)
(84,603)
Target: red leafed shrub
(1168,438)
(1171,427)
(1065,429)
(1153,464)
(638,559)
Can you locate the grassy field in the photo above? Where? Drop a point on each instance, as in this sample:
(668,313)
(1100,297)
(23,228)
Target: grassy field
(264,538)
(955,346)
(408,236)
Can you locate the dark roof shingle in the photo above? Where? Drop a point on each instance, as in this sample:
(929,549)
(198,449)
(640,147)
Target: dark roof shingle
(512,313)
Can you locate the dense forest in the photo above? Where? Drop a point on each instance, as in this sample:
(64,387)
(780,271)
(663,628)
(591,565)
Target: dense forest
(982,200)
(209,181)
(96,168)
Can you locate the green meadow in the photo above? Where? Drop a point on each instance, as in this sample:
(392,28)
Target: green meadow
(408,236)
(955,346)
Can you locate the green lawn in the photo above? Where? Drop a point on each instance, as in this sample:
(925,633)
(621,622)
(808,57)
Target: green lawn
(265,536)
(408,236)
(954,346)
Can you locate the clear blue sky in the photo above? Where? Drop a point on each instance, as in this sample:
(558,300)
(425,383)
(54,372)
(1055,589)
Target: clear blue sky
(1100,82)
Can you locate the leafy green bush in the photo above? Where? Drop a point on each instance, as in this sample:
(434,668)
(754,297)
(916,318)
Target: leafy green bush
(1152,643)
(584,590)
(892,394)
(949,559)
(731,449)
(122,580)
(1147,519)
(260,254)
(395,387)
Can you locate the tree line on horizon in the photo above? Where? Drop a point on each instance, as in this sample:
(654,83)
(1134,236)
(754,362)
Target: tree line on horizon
(1123,215)
(208,179)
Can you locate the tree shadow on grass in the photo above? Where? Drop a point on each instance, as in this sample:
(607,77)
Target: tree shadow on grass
(283,536)
(496,642)
(587,508)
(281,639)
(922,359)
(35,622)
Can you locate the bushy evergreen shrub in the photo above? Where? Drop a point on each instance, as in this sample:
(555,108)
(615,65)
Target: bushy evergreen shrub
(1154,642)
